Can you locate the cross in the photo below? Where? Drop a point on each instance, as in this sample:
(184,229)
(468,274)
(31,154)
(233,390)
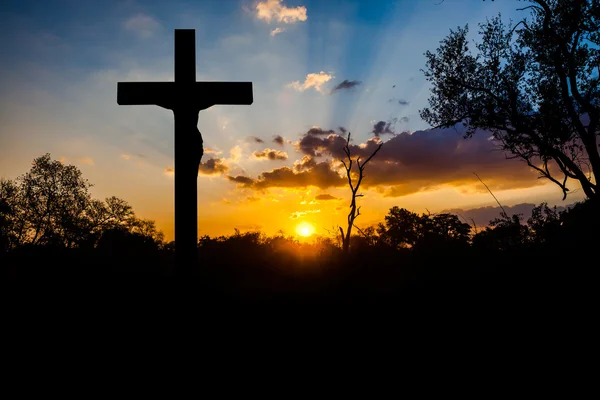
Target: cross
(185,97)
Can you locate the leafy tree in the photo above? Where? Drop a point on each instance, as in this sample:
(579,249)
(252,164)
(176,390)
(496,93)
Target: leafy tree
(503,234)
(443,229)
(404,228)
(8,192)
(51,205)
(544,224)
(401,228)
(534,86)
(48,203)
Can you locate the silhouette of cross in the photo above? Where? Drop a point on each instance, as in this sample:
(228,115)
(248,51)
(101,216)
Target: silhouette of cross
(185,97)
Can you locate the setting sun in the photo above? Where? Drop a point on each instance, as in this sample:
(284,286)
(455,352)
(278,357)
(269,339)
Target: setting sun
(305,229)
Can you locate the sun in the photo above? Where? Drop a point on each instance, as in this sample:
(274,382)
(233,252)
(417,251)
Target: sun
(305,229)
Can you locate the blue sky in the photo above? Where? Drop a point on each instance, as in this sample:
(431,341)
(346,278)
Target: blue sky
(63,59)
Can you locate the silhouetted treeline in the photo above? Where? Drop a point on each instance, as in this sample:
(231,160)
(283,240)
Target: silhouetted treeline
(50,226)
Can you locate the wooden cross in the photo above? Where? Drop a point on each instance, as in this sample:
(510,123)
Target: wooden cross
(185,97)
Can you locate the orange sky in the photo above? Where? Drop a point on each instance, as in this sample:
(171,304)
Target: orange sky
(271,165)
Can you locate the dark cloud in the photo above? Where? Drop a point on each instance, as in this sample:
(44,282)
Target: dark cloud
(346,84)
(413,161)
(382,127)
(313,145)
(213,166)
(320,175)
(325,197)
(404,120)
(279,140)
(241,180)
(315,130)
(271,154)
(256,139)
(402,102)
(407,163)
(305,163)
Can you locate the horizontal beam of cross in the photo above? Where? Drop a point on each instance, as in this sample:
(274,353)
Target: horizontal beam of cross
(171,94)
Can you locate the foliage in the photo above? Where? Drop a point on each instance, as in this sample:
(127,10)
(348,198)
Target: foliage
(51,206)
(105,237)
(406,229)
(534,85)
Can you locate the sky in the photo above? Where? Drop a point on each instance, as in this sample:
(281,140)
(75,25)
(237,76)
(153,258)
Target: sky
(319,69)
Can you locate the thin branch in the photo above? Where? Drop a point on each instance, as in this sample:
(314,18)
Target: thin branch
(372,155)
(525,8)
(360,231)
(486,186)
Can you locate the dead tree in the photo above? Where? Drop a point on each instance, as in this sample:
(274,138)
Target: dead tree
(354,211)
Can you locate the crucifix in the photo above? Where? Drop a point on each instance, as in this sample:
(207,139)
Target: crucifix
(185,97)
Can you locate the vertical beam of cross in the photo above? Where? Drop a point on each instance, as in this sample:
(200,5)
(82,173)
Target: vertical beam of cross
(186,98)
(188,153)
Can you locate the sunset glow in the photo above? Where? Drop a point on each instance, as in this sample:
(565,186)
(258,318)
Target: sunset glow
(305,229)
(319,69)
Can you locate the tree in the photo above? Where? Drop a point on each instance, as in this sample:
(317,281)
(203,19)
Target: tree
(405,228)
(354,210)
(544,224)
(51,205)
(534,86)
(401,228)
(48,203)
(443,229)
(503,234)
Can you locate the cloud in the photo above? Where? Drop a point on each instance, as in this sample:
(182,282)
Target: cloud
(130,156)
(142,25)
(315,130)
(298,214)
(235,153)
(320,175)
(408,162)
(325,197)
(212,151)
(277,30)
(273,10)
(242,181)
(279,140)
(404,120)
(305,163)
(87,160)
(256,139)
(346,84)
(271,154)
(402,102)
(312,80)
(213,166)
(383,127)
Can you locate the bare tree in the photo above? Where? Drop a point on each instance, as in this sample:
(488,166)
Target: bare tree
(354,210)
